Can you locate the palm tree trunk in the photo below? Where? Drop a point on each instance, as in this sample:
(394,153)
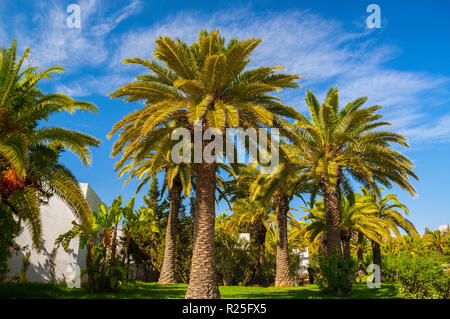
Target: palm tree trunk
(126,257)
(114,245)
(345,238)
(89,263)
(167,275)
(332,218)
(282,276)
(360,256)
(260,242)
(203,281)
(376,251)
(125,249)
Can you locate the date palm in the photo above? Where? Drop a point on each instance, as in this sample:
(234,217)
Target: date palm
(256,216)
(339,143)
(389,209)
(144,163)
(29,152)
(353,221)
(147,160)
(203,84)
(435,241)
(280,186)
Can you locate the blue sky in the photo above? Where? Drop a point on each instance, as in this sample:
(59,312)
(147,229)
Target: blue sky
(403,66)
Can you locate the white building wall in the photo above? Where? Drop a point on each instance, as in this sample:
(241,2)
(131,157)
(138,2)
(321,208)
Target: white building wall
(56,219)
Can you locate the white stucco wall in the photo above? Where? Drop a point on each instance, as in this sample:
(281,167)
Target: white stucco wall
(304,260)
(56,219)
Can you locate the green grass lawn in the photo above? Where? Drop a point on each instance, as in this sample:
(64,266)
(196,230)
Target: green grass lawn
(142,290)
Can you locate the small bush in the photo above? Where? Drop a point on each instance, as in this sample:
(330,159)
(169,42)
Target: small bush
(419,277)
(336,274)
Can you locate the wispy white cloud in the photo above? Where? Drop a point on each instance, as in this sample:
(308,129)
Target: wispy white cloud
(53,42)
(433,132)
(318,48)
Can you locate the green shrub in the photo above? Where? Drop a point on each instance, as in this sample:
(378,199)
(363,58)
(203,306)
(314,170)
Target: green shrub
(9,229)
(335,274)
(419,277)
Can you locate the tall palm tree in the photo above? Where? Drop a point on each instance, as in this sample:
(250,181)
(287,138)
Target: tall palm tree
(144,162)
(361,245)
(30,171)
(281,185)
(204,84)
(388,209)
(339,143)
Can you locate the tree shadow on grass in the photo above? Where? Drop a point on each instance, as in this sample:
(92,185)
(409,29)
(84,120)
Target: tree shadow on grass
(142,290)
(60,291)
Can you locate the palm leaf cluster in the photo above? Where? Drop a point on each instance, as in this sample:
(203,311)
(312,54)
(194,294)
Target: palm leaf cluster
(30,169)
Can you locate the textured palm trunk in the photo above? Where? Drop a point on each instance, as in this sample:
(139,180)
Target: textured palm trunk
(114,245)
(168,275)
(125,249)
(345,238)
(89,263)
(376,252)
(260,242)
(282,276)
(261,239)
(360,256)
(113,257)
(203,281)
(332,218)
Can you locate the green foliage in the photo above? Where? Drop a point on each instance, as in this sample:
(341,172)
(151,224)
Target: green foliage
(147,245)
(104,269)
(417,277)
(9,228)
(231,259)
(336,274)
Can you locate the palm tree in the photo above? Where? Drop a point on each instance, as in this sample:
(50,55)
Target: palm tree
(354,221)
(339,143)
(203,84)
(256,216)
(144,163)
(389,210)
(30,171)
(281,185)
(435,240)
(361,244)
